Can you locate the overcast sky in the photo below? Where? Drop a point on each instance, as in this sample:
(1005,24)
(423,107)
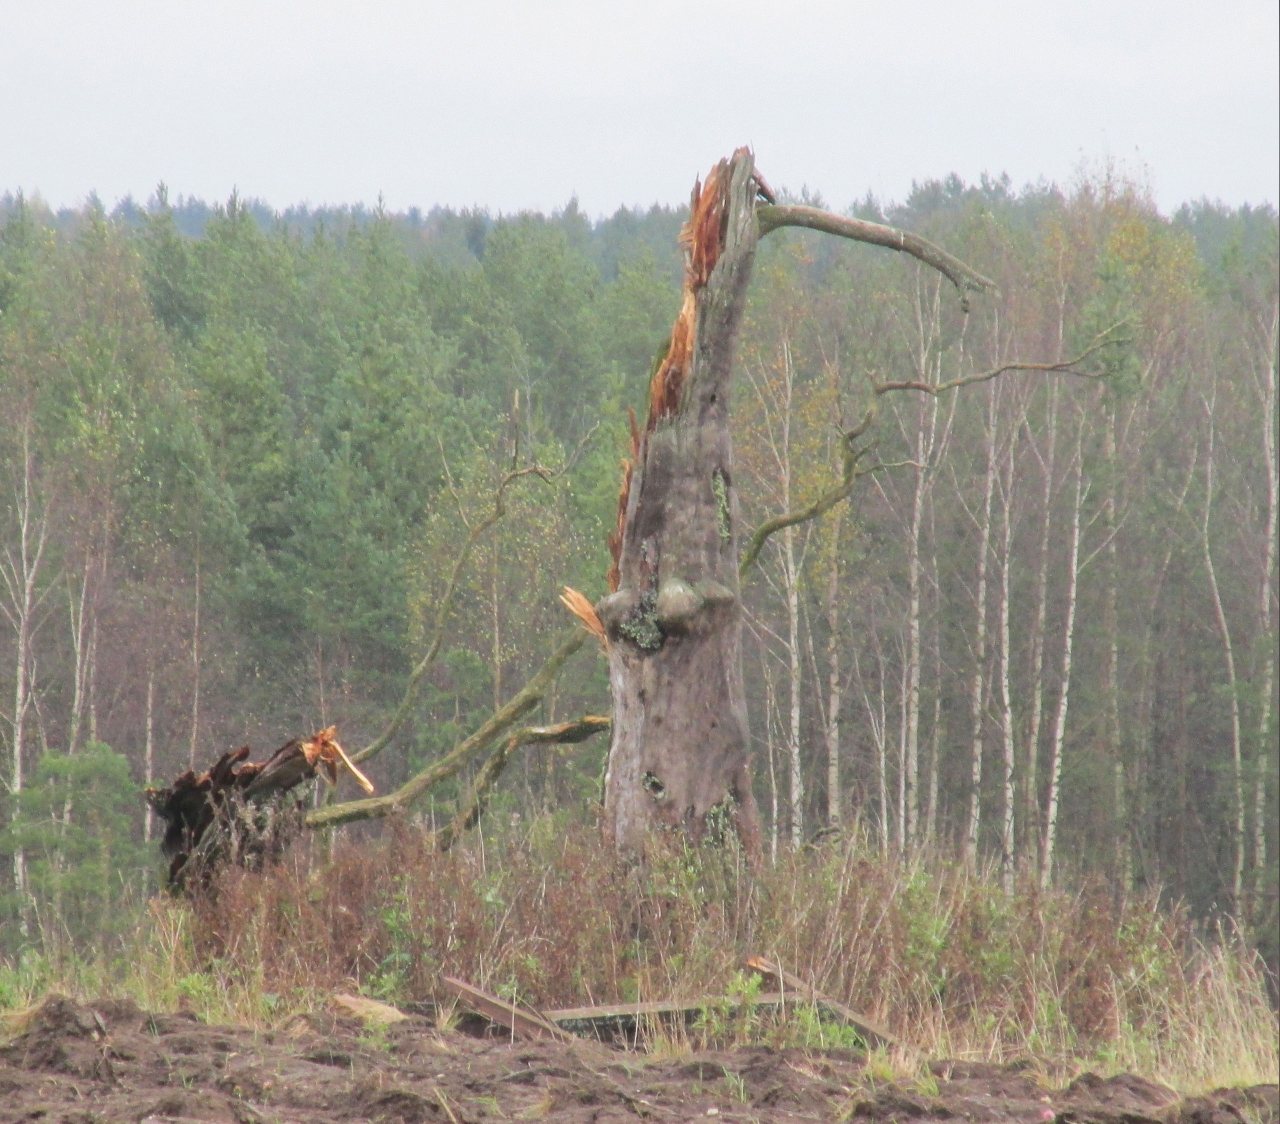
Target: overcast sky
(528,103)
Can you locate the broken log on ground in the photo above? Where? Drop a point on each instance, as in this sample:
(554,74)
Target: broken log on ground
(240,811)
(618,1022)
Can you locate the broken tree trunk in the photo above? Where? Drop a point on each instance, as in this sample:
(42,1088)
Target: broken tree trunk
(679,755)
(239,811)
(679,747)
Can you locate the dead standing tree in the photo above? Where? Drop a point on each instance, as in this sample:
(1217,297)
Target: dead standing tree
(679,753)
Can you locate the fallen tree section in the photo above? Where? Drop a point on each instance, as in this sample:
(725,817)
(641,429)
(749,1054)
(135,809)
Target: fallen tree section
(237,811)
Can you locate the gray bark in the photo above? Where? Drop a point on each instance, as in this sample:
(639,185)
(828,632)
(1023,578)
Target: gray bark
(679,744)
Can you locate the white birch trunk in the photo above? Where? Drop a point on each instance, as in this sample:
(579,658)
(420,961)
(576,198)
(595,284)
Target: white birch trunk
(977,685)
(79,613)
(92,683)
(776,397)
(794,764)
(770,711)
(1031,780)
(495,614)
(1113,740)
(1229,665)
(878,723)
(149,748)
(1264,767)
(19,575)
(1058,729)
(1007,738)
(903,702)
(195,667)
(834,690)
(1033,826)
(911,693)
(935,737)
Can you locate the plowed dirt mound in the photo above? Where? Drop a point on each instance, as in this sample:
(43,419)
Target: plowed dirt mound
(111,1061)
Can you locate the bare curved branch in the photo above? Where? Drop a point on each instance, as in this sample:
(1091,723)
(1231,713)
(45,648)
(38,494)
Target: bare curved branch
(563,733)
(1066,367)
(850,472)
(964,278)
(493,728)
(839,491)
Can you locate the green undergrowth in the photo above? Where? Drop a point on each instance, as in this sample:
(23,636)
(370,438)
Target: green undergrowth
(940,956)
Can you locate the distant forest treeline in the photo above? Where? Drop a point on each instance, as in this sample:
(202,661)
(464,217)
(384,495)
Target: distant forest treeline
(449,235)
(242,449)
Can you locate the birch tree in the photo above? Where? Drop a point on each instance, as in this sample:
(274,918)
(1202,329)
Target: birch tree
(1237,834)
(1264,372)
(1058,722)
(25,587)
(978,689)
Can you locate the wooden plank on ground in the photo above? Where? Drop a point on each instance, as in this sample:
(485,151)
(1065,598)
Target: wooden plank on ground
(873,1032)
(613,1012)
(523,1022)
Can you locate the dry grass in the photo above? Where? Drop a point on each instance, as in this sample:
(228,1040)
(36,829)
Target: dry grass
(940,956)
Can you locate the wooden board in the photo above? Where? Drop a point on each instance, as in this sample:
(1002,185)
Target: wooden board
(523,1022)
(656,1009)
(873,1032)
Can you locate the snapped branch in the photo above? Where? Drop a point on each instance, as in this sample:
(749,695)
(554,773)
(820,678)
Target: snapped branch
(563,733)
(772,216)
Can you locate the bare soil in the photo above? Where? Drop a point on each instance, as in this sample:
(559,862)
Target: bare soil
(111,1061)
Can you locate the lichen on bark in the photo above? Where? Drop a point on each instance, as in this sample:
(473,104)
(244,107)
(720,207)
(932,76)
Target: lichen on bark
(720,489)
(640,626)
